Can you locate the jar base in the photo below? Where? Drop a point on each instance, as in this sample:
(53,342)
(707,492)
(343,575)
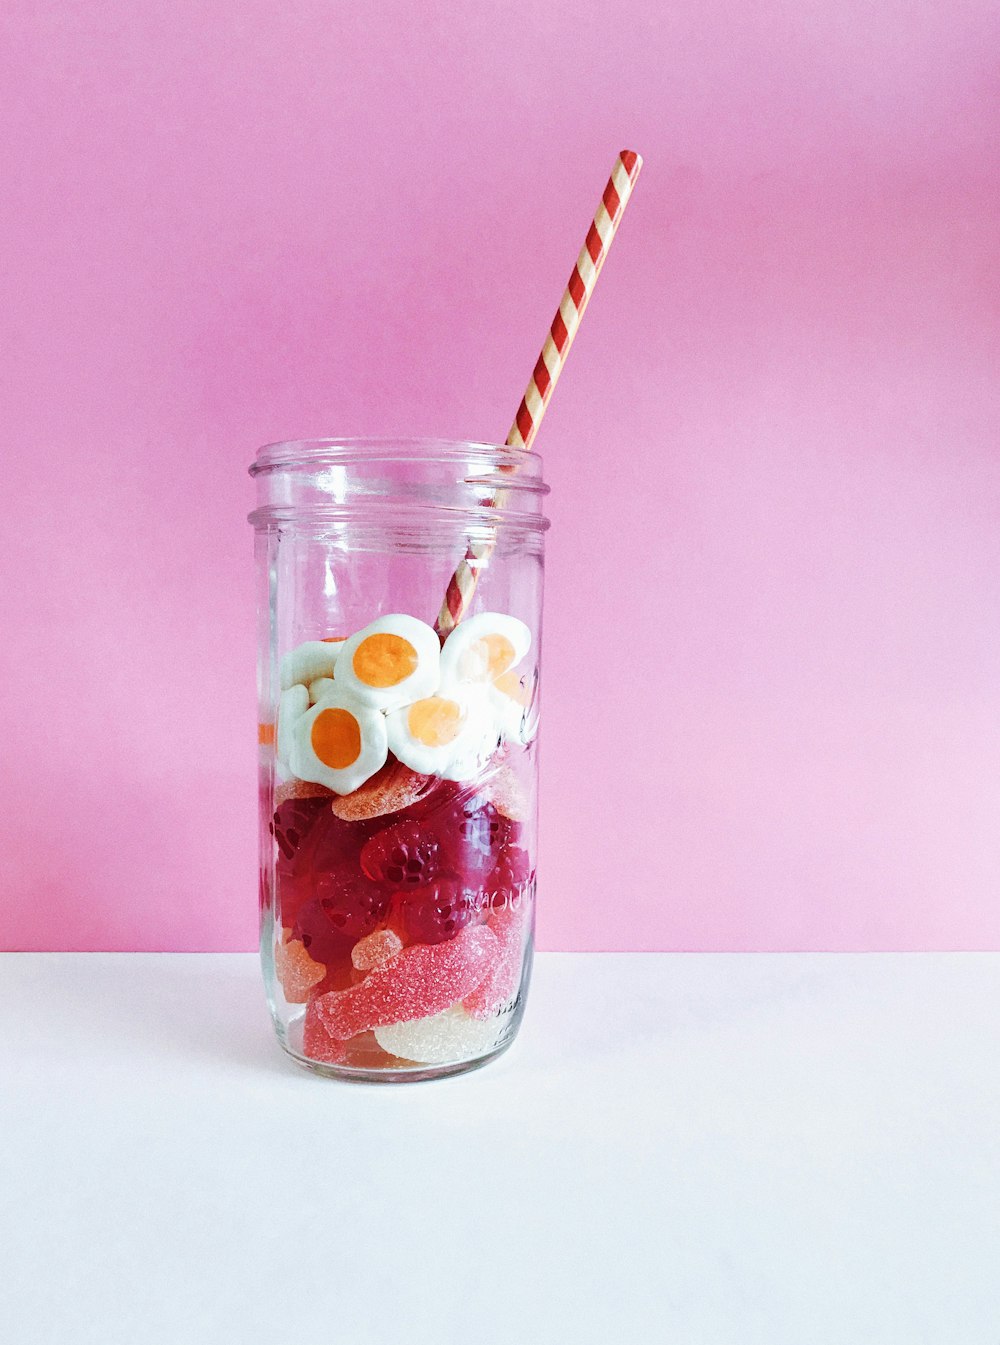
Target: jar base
(415,1073)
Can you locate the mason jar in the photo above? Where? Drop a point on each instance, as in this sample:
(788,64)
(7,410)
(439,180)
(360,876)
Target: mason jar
(399,659)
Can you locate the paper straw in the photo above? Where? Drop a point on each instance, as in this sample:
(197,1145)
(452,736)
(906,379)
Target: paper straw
(565,324)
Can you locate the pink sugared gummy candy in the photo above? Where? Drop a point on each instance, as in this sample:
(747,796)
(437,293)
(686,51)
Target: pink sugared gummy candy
(317,1043)
(421,980)
(375,949)
(296,970)
(495,989)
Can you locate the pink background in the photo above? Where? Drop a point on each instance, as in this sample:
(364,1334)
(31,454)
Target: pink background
(229,223)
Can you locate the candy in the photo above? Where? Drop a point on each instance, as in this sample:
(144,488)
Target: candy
(345,908)
(292,822)
(315,658)
(436,911)
(329,846)
(317,1043)
(291,707)
(508,795)
(339,743)
(393,788)
(484,647)
(296,970)
(419,981)
(390,662)
(449,1036)
(301,789)
(406,854)
(375,949)
(504,977)
(511,699)
(475,835)
(323,686)
(449,734)
(508,879)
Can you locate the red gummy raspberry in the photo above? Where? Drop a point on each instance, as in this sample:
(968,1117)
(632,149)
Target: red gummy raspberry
(344,909)
(475,837)
(291,823)
(329,847)
(403,855)
(510,877)
(435,912)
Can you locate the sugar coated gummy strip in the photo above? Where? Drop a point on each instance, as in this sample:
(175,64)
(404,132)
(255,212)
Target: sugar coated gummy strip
(442,1038)
(317,1043)
(421,980)
(504,977)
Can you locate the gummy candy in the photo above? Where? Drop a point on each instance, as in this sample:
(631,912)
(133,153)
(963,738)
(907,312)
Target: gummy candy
(296,970)
(436,911)
(505,974)
(300,789)
(508,795)
(317,1043)
(375,949)
(419,981)
(389,790)
(345,908)
(475,837)
(513,870)
(330,849)
(403,855)
(292,821)
(448,1036)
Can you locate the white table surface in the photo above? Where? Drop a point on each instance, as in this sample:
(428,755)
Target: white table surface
(680,1148)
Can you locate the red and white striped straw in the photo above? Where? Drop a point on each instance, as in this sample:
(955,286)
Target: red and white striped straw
(565,324)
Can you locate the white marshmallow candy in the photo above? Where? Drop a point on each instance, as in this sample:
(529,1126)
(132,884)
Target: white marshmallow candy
(393,661)
(339,743)
(292,705)
(323,686)
(315,658)
(484,647)
(435,733)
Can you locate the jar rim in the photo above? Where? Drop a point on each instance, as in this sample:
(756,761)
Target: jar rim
(290,454)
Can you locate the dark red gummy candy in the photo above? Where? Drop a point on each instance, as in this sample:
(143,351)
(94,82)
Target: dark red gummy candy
(513,870)
(344,909)
(475,836)
(292,822)
(404,855)
(328,847)
(435,912)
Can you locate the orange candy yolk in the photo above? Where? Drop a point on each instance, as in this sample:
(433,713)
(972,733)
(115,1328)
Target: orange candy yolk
(510,684)
(384,660)
(336,738)
(434,721)
(488,658)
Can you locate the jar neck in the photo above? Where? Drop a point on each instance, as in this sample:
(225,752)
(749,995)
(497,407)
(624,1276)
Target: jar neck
(370,482)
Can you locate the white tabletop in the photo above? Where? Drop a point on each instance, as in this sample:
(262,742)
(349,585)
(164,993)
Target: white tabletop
(680,1148)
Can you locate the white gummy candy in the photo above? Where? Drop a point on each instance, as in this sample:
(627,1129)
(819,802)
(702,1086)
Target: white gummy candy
(322,686)
(291,707)
(315,658)
(442,1039)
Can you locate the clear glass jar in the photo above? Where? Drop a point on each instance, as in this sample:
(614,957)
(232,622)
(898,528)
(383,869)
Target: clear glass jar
(398,766)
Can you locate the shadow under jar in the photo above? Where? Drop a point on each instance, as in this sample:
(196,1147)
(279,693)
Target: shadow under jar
(398,766)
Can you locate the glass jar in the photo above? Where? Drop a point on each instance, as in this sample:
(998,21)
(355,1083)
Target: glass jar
(398,750)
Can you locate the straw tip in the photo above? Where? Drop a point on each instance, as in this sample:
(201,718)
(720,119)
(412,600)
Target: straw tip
(631,161)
